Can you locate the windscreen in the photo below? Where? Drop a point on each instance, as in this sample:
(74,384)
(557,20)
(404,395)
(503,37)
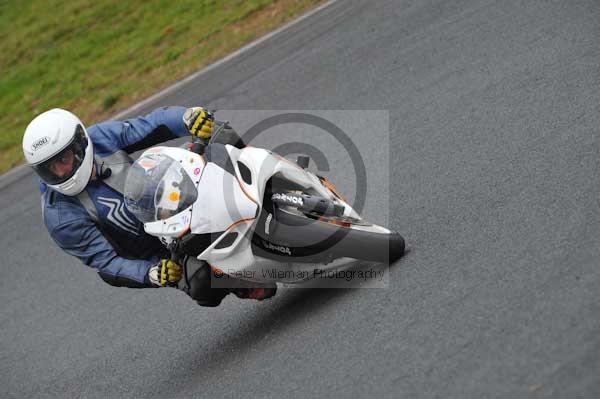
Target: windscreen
(157,187)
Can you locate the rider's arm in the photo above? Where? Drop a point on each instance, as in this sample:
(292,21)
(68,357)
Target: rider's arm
(81,238)
(138,133)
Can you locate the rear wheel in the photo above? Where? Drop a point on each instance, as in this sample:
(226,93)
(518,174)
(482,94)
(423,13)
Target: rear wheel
(314,237)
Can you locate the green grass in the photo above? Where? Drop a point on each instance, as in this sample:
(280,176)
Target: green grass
(97,57)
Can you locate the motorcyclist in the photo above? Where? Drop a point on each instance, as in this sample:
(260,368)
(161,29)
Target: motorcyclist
(82,172)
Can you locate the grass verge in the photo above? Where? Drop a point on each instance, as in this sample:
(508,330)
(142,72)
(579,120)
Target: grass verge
(98,57)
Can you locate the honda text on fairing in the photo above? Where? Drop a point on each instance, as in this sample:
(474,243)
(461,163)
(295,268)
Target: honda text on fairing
(247,210)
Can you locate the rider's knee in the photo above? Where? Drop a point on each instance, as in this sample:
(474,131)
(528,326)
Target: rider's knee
(201,290)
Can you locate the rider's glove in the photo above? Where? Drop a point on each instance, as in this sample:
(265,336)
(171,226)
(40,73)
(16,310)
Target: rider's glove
(165,273)
(199,122)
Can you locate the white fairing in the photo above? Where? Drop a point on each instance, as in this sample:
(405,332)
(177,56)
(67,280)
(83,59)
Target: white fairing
(227,204)
(221,202)
(262,164)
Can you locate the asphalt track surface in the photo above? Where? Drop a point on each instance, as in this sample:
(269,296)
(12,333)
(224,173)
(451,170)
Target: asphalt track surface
(493,169)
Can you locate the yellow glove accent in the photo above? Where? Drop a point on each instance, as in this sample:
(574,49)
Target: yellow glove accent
(170,272)
(200,122)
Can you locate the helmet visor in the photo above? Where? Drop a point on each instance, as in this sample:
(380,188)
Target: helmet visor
(157,187)
(62,166)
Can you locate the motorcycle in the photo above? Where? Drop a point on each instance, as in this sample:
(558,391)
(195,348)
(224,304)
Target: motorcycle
(251,214)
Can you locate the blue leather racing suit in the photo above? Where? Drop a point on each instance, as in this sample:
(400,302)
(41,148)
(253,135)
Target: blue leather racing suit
(113,241)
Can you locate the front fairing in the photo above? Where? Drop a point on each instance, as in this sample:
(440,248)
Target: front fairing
(168,227)
(221,203)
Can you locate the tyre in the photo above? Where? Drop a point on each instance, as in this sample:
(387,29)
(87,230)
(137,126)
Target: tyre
(314,238)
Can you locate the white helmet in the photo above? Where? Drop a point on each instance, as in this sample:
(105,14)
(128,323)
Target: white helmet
(57,146)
